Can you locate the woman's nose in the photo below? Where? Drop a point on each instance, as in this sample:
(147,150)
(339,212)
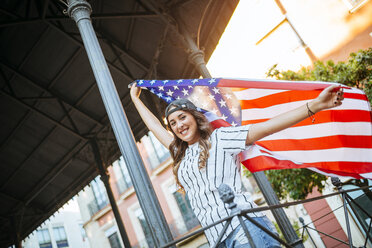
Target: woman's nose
(180,124)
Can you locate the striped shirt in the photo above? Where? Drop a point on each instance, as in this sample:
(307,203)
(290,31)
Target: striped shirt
(223,166)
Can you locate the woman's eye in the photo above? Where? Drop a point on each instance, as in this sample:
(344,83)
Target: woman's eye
(183,117)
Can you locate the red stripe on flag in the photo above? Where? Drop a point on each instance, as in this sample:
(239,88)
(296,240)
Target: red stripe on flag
(289,96)
(219,123)
(328,142)
(261,163)
(329,116)
(341,173)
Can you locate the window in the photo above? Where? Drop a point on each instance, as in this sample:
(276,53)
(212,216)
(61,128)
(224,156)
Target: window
(83,232)
(145,228)
(187,214)
(60,236)
(114,240)
(122,175)
(353,5)
(157,153)
(43,237)
(99,192)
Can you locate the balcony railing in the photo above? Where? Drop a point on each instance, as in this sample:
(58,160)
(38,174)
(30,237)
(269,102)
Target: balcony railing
(235,212)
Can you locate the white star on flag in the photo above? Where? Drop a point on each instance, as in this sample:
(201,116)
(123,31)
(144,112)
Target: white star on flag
(152,82)
(216,91)
(179,81)
(211,96)
(185,92)
(222,103)
(161,88)
(205,105)
(214,111)
(170,93)
(175,87)
(228,96)
(234,110)
(224,117)
(194,81)
(212,81)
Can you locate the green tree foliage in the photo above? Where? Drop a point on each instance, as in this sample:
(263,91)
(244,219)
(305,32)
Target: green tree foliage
(356,72)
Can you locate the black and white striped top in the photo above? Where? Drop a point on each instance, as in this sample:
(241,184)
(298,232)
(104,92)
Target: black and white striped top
(223,166)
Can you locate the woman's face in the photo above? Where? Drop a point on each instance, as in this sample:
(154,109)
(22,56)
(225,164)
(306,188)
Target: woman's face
(184,126)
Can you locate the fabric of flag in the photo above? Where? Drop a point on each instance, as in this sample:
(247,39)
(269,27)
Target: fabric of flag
(338,143)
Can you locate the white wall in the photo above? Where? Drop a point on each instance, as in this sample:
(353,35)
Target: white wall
(69,217)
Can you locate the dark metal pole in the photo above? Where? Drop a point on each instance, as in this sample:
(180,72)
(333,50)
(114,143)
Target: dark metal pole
(281,218)
(105,179)
(80,11)
(306,230)
(308,51)
(196,56)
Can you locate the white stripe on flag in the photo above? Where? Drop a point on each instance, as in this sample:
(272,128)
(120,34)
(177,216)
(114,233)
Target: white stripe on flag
(251,94)
(254,151)
(325,173)
(323,130)
(329,155)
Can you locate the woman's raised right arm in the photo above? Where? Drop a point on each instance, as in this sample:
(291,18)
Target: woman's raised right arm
(152,123)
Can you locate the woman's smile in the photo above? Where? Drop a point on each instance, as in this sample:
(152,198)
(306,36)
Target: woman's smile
(184,126)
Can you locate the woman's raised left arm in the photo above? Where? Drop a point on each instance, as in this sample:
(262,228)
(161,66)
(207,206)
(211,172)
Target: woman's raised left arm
(330,97)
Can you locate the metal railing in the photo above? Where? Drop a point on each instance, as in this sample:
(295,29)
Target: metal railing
(227,196)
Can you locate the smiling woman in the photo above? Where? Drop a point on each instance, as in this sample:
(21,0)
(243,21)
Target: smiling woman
(203,159)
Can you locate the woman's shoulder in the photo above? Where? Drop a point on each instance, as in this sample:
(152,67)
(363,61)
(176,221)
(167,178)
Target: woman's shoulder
(229,132)
(231,129)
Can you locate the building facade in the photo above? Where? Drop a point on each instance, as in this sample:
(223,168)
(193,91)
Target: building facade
(98,218)
(288,33)
(63,229)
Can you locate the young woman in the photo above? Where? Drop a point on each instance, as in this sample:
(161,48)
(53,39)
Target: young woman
(204,159)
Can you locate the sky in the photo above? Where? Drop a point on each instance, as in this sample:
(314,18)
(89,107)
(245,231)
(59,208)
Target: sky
(238,56)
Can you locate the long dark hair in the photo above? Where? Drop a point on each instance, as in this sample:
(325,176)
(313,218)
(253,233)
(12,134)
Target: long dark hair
(178,147)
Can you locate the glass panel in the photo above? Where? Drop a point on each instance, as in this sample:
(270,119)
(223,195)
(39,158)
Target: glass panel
(121,172)
(146,229)
(156,152)
(43,237)
(187,214)
(83,233)
(114,240)
(60,236)
(99,192)
(161,152)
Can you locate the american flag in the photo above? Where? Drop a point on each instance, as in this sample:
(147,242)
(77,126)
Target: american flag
(339,143)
